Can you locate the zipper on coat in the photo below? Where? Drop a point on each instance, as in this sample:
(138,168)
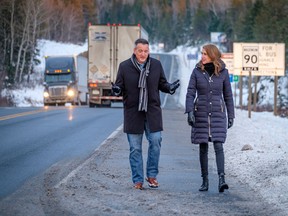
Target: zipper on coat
(196,103)
(209,120)
(221,102)
(209,126)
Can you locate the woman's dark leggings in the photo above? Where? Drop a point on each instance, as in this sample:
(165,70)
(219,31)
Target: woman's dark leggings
(219,153)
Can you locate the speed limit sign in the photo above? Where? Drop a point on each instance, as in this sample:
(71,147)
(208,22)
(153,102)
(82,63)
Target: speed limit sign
(262,59)
(250,60)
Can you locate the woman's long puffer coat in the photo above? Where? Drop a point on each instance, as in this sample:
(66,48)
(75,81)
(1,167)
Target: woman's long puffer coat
(211,101)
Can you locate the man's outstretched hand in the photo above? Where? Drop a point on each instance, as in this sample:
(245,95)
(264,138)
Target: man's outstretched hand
(174,86)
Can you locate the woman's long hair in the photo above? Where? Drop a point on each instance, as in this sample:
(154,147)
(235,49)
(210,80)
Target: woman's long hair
(215,55)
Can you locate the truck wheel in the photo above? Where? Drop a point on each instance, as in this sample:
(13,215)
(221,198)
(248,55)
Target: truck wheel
(78,103)
(91,105)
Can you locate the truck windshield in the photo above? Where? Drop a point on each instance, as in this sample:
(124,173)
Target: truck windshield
(58,78)
(60,63)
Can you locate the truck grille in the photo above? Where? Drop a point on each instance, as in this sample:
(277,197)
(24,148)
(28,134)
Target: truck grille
(57,91)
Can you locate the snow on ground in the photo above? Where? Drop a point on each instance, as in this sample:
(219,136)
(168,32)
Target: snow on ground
(258,156)
(264,166)
(27,97)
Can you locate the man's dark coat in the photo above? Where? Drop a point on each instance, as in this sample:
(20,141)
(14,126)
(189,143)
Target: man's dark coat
(127,80)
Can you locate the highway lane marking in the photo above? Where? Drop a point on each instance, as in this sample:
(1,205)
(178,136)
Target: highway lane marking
(2,118)
(45,109)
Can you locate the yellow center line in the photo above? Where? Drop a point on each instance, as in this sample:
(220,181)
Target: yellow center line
(46,109)
(21,114)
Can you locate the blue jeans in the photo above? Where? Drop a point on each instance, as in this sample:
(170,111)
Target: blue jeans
(136,157)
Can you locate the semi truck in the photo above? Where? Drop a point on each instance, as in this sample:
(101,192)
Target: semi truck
(108,46)
(65,80)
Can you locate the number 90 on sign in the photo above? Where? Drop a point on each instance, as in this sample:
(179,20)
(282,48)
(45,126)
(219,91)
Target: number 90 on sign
(250,58)
(253,59)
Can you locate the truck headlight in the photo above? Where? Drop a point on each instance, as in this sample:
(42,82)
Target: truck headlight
(46,94)
(70,93)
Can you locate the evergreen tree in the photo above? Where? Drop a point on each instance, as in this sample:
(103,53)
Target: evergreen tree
(245,30)
(200,26)
(271,22)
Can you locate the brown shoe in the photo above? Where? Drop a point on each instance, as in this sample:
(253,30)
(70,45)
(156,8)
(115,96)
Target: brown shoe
(138,185)
(152,182)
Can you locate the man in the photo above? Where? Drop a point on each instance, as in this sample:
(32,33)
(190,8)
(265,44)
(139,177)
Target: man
(139,80)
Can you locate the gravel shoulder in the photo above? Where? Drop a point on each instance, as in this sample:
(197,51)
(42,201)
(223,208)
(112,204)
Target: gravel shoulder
(102,184)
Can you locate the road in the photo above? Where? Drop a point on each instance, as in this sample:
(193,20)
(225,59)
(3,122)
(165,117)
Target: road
(33,139)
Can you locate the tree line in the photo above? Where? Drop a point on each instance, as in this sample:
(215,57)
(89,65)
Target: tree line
(172,22)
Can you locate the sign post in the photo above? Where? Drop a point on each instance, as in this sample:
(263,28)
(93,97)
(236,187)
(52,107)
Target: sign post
(228,59)
(250,62)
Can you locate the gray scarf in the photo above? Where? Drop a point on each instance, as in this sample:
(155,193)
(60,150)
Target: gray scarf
(143,94)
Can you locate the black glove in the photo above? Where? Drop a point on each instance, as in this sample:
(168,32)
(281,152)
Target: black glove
(191,119)
(116,90)
(230,122)
(174,86)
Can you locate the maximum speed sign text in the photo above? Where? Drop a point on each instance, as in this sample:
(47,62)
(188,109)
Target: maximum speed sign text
(250,61)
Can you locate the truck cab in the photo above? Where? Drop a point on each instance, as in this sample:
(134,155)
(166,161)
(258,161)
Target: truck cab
(60,80)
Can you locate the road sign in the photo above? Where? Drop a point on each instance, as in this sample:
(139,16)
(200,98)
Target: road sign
(235,78)
(228,59)
(231,77)
(250,56)
(191,56)
(262,59)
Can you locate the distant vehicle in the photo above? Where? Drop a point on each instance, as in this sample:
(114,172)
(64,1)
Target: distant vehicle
(108,45)
(65,80)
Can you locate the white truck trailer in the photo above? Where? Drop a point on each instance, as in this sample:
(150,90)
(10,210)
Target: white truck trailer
(108,45)
(65,80)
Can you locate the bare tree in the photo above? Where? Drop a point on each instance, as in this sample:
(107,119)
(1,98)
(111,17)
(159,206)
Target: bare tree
(73,24)
(38,17)
(215,6)
(12,29)
(32,16)
(23,36)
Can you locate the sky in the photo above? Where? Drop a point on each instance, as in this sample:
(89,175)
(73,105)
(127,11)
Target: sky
(256,149)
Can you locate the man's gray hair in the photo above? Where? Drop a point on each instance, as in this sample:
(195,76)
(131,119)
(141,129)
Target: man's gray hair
(142,41)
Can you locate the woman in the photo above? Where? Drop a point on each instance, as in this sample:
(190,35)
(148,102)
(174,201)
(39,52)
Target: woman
(208,97)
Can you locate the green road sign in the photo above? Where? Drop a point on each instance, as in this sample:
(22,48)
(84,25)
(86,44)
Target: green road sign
(235,78)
